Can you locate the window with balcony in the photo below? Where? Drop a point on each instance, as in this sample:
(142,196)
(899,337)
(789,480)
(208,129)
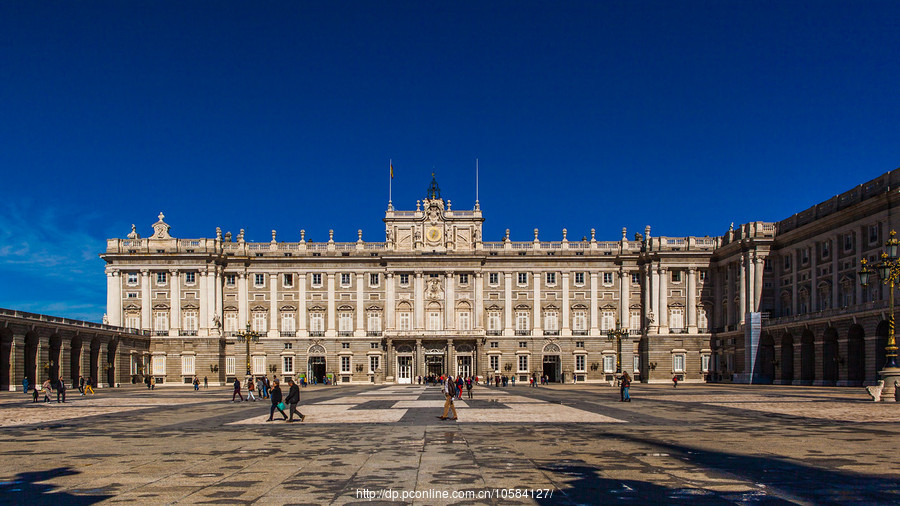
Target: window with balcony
(404,321)
(523,327)
(231,322)
(464,321)
(259,322)
(434,320)
(345,323)
(494,322)
(190,323)
(551,323)
(161,322)
(607,320)
(579,321)
(676,319)
(288,324)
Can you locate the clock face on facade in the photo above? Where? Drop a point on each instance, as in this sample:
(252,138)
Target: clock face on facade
(433,234)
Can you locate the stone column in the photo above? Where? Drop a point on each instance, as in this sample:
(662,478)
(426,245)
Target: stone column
(175,301)
(566,328)
(856,262)
(450,303)
(750,267)
(113,296)
(538,324)
(301,304)
(795,304)
(204,316)
(663,300)
(729,294)
(479,301)
(390,305)
(220,301)
(647,303)
(330,317)
(624,297)
(835,271)
(146,301)
(713,320)
(692,300)
(813,281)
(273,306)
(420,359)
(243,302)
(451,358)
(211,301)
(360,307)
(595,328)
(742,289)
(419,309)
(390,358)
(758,283)
(508,305)
(654,298)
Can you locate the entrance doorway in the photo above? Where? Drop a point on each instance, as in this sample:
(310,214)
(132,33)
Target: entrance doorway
(316,369)
(464,366)
(404,370)
(434,365)
(552,368)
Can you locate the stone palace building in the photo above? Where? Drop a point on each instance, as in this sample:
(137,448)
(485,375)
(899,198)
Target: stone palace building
(766,302)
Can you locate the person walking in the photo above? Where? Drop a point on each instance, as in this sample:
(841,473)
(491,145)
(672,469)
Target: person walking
(449,389)
(60,391)
(250,388)
(152,382)
(237,390)
(81,385)
(459,386)
(469,387)
(25,385)
(196,384)
(35,393)
(89,386)
(292,400)
(624,385)
(46,388)
(276,397)
(205,382)
(261,387)
(675,381)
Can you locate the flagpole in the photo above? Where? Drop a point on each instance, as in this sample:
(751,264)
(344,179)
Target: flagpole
(390,183)
(476,184)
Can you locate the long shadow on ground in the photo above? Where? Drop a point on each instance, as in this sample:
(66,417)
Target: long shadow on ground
(26,489)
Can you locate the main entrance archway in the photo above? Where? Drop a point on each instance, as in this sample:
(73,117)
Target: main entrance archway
(552,365)
(316,364)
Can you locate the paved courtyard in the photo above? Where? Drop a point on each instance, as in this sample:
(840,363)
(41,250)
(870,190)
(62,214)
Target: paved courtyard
(697,444)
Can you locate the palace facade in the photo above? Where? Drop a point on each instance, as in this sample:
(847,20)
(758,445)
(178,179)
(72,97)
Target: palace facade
(764,302)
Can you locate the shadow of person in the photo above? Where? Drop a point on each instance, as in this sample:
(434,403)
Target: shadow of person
(30,488)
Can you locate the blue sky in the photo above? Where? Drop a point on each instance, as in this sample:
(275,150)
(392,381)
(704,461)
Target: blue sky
(686,116)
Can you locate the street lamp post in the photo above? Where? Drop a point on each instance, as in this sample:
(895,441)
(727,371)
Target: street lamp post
(245,337)
(888,270)
(617,334)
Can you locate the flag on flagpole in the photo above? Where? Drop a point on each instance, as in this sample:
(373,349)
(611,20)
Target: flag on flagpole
(392,170)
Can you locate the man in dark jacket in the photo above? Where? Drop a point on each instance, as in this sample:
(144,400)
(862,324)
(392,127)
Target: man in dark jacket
(237,390)
(275,395)
(60,390)
(293,399)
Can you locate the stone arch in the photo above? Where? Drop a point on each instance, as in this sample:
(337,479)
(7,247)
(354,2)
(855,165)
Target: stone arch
(94,367)
(807,357)
(6,377)
(316,349)
(765,357)
(32,345)
(830,357)
(53,359)
(881,341)
(404,348)
(856,354)
(75,358)
(787,358)
(551,348)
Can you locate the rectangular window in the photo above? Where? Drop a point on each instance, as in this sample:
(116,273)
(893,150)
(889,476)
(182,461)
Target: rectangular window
(345,279)
(288,322)
(190,321)
(287,280)
(635,323)
(676,318)
(160,278)
(579,344)
(161,321)
(494,320)
(523,344)
(825,249)
(374,346)
(609,364)
(404,279)
(345,365)
(579,363)
(463,279)
(133,321)
(345,321)
(434,320)
(608,320)
(132,278)
(523,363)
(787,262)
(579,322)
(464,321)
(636,363)
(288,346)
(287,365)
(317,279)
(374,363)
(551,321)
(551,278)
(579,278)
(873,234)
(404,321)
(494,278)
(702,275)
(259,322)
(259,364)
(345,346)
(190,278)
(704,363)
(678,361)
(230,279)
(259,279)
(607,278)
(374,322)
(522,321)
(635,278)
(848,242)
(495,363)
(523,278)
(676,276)
(495,344)
(702,323)
(373,279)
(229,366)
(231,322)
(132,295)
(159,365)
(187,365)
